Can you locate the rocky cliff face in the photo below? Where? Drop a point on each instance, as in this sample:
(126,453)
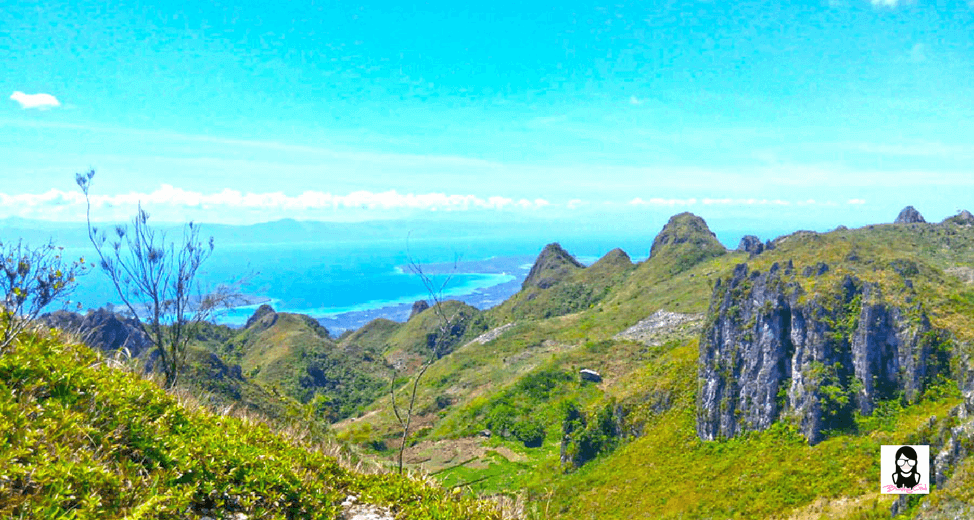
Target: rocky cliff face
(769,350)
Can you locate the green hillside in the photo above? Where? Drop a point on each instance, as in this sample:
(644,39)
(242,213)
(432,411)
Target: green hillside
(81,439)
(504,409)
(291,356)
(560,285)
(606,444)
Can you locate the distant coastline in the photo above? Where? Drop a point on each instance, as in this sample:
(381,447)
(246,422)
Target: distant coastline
(512,270)
(481,298)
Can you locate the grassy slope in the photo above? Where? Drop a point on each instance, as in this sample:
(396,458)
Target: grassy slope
(774,473)
(579,289)
(79,439)
(477,377)
(409,344)
(290,355)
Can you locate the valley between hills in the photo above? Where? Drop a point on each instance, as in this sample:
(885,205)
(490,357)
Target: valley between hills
(700,383)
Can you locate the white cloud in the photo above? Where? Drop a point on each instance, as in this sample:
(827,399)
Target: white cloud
(746,202)
(734,202)
(634,100)
(167,197)
(38,101)
(856,202)
(662,202)
(715,202)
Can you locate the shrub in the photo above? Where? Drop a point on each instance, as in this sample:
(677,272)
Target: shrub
(30,280)
(530,432)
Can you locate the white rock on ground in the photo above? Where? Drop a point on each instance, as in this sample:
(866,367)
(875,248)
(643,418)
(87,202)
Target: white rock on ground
(652,329)
(367,512)
(491,334)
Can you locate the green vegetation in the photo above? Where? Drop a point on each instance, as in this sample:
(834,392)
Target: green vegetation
(291,356)
(563,447)
(635,431)
(575,289)
(684,242)
(156,280)
(80,439)
(32,278)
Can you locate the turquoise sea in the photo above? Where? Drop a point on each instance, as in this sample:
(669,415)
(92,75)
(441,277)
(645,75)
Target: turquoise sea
(367,277)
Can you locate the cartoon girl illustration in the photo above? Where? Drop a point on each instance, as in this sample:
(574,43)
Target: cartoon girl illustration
(906,468)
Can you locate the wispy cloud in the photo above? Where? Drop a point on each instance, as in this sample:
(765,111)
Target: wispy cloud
(733,202)
(38,101)
(168,197)
(889,4)
(918,149)
(351,154)
(918,53)
(638,201)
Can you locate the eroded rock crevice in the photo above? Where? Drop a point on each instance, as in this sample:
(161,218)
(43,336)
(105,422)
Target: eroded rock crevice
(771,351)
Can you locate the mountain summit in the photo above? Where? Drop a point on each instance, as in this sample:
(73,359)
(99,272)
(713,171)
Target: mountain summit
(909,215)
(686,228)
(553,265)
(964,218)
(684,242)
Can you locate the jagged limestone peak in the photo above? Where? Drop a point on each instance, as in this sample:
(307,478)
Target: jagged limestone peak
(685,228)
(751,244)
(964,218)
(615,258)
(553,265)
(909,215)
(418,307)
(263,310)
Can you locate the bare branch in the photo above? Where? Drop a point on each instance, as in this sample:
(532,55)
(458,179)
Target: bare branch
(445,325)
(155,279)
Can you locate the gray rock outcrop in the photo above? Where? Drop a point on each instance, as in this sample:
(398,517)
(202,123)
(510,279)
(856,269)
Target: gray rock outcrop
(662,326)
(261,312)
(418,307)
(909,215)
(751,244)
(964,218)
(770,350)
(102,329)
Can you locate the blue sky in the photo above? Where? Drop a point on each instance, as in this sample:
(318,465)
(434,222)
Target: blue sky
(810,114)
